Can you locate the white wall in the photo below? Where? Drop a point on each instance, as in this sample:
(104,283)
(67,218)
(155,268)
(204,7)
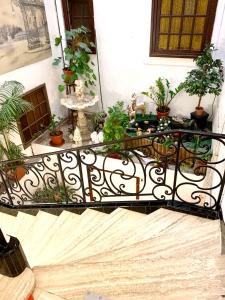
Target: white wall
(41,72)
(123,31)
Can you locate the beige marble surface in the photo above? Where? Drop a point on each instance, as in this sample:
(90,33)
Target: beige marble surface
(17,288)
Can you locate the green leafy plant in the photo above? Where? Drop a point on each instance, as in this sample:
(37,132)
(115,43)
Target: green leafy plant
(12,107)
(207,78)
(115,125)
(54,194)
(77,57)
(161,94)
(54,125)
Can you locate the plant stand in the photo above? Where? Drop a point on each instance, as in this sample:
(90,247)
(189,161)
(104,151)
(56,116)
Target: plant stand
(74,104)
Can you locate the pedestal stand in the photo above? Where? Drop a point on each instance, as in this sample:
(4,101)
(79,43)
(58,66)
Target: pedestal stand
(73,103)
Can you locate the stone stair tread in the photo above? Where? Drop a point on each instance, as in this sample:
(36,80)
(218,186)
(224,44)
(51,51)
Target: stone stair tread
(152,225)
(6,224)
(204,239)
(116,222)
(23,223)
(39,294)
(42,246)
(43,221)
(166,277)
(89,220)
(17,288)
(53,247)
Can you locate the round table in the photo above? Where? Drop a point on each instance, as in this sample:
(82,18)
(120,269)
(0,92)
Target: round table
(72,103)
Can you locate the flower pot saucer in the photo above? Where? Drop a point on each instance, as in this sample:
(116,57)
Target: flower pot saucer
(54,145)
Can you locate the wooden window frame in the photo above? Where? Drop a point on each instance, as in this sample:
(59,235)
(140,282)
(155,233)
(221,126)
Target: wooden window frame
(154,35)
(20,129)
(67,19)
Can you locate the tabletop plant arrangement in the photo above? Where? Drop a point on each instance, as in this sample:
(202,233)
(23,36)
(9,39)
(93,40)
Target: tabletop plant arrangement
(207,78)
(115,127)
(162,95)
(55,133)
(77,61)
(12,107)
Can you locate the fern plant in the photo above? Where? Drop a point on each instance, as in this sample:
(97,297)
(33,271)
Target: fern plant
(12,106)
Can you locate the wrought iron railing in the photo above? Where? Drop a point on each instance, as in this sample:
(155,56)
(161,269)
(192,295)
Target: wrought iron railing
(177,168)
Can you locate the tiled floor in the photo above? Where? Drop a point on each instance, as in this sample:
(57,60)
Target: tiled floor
(66,127)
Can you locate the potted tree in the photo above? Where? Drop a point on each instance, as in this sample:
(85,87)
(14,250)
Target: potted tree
(12,107)
(76,58)
(115,127)
(55,133)
(207,78)
(162,95)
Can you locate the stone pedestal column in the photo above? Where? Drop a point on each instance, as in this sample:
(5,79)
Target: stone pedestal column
(83,126)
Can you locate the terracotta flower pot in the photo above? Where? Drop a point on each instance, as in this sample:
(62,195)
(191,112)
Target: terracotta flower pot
(161,114)
(57,140)
(68,75)
(15,173)
(114,155)
(199,110)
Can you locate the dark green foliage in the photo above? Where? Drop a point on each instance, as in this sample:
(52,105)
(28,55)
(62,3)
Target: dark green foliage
(161,93)
(207,78)
(52,194)
(12,106)
(116,124)
(77,57)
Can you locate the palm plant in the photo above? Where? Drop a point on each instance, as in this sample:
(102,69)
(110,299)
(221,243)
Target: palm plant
(12,106)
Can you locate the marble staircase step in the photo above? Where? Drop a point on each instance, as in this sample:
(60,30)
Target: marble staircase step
(39,294)
(175,278)
(56,243)
(89,220)
(202,240)
(43,221)
(6,224)
(22,225)
(150,226)
(17,288)
(42,247)
(118,222)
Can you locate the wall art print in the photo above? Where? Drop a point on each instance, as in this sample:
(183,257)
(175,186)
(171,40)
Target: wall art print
(24,37)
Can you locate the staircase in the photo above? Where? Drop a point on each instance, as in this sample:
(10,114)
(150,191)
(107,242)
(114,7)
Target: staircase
(122,255)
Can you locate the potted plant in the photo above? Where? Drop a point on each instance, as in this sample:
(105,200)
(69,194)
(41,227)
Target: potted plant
(12,107)
(207,78)
(55,133)
(115,127)
(76,58)
(162,95)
